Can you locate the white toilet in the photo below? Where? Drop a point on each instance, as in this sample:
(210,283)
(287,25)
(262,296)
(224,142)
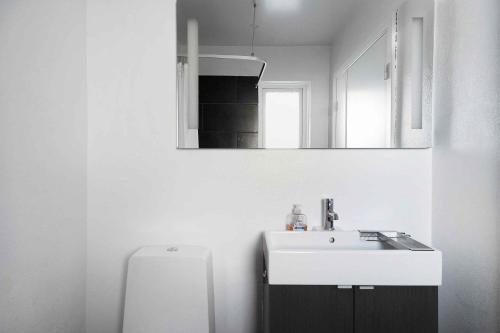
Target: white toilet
(169,290)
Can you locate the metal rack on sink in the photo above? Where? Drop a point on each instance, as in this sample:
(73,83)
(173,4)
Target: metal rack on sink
(396,239)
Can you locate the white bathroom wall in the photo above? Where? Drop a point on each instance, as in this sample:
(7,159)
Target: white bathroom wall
(142,191)
(42,166)
(295,63)
(466,163)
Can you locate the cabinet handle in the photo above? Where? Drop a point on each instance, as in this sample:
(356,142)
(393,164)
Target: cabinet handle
(366,287)
(344,287)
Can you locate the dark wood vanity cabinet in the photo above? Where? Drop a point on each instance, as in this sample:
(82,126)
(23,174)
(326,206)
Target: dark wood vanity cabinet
(396,309)
(307,309)
(333,309)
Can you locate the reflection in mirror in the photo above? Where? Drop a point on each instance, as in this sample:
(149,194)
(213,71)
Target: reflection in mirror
(368,100)
(304,73)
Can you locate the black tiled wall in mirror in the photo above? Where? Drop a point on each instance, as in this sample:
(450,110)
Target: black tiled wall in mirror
(228,112)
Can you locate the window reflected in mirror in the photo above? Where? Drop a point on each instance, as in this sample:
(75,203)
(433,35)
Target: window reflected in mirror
(281,112)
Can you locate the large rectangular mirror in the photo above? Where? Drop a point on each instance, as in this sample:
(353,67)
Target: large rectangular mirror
(304,73)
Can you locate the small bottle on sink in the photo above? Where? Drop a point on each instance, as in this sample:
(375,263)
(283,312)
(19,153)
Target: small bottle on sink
(296,221)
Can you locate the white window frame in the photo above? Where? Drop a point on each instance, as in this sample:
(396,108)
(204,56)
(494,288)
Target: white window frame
(305,121)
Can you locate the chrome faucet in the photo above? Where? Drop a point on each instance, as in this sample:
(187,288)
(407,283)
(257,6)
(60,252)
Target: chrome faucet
(328,214)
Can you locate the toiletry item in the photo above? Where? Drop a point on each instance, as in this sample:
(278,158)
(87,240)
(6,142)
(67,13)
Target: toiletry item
(296,221)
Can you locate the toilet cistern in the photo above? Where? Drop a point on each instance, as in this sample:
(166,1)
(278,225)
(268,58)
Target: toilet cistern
(328,214)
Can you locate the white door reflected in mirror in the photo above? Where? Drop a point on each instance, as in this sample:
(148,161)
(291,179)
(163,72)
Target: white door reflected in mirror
(365,119)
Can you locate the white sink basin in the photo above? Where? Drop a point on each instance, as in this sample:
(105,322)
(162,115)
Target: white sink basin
(344,258)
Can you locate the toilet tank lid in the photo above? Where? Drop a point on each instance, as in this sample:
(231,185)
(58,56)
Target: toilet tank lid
(174,250)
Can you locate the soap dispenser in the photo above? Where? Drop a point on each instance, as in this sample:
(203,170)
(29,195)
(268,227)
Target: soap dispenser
(296,221)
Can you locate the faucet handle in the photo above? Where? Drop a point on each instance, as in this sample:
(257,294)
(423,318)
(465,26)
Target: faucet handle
(329,215)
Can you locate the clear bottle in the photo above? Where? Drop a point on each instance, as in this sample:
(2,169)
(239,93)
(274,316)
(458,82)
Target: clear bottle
(296,221)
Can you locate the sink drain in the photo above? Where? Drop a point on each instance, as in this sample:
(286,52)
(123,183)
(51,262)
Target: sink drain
(332,240)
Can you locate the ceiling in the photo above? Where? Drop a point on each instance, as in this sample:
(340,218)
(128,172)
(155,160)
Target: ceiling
(280,22)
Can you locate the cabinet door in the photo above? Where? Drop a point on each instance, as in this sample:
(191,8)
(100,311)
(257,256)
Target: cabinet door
(396,310)
(308,309)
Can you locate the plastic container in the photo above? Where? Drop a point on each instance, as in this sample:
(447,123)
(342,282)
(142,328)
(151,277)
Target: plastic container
(296,220)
